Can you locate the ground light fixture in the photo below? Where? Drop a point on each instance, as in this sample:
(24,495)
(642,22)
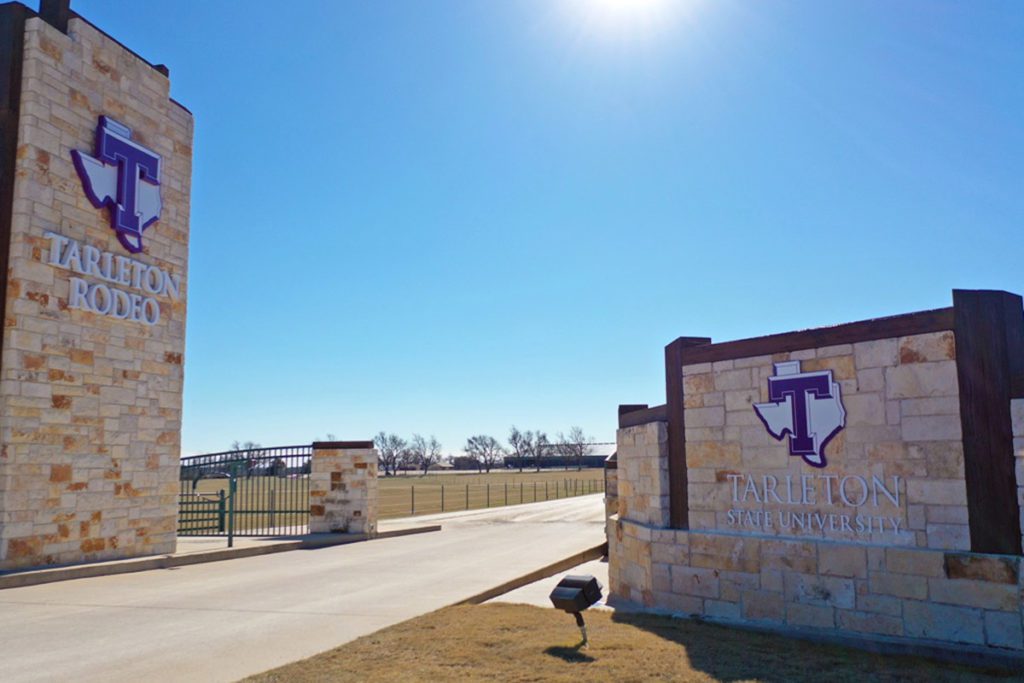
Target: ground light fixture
(573,594)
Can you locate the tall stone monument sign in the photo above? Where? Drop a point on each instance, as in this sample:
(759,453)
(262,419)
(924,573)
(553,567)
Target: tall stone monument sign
(95,169)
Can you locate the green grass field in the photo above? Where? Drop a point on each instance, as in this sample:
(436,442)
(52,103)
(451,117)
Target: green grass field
(268,505)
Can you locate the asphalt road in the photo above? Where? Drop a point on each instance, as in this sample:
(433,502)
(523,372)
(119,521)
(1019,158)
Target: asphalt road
(225,620)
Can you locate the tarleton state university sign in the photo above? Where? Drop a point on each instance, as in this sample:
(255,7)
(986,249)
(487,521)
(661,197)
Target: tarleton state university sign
(807,408)
(862,479)
(838,444)
(856,497)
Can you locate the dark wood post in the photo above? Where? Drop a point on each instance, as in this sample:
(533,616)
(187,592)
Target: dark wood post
(989,329)
(56,13)
(12,48)
(677,480)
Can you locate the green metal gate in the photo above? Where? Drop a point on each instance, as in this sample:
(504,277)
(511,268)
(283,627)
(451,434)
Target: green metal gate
(200,514)
(256,492)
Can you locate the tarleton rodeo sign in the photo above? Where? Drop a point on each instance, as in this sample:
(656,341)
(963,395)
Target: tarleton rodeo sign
(860,479)
(123,177)
(94,225)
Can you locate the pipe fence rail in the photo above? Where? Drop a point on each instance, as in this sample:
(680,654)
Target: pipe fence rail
(426,498)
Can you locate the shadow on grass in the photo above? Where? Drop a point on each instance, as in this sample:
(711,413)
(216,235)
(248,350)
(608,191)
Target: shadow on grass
(569,654)
(728,655)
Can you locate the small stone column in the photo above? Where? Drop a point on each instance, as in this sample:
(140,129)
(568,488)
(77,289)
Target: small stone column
(642,454)
(343,488)
(643,510)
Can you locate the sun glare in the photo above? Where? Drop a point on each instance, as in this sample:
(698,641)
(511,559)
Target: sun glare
(627,17)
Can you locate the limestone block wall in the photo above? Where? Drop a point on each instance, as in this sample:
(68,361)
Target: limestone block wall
(90,405)
(642,480)
(630,556)
(855,588)
(902,434)
(851,587)
(343,488)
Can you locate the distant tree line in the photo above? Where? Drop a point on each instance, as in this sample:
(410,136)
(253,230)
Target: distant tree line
(525,449)
(395,453)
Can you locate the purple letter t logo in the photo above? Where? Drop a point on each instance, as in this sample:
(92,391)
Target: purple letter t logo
(807,406)
(124,176)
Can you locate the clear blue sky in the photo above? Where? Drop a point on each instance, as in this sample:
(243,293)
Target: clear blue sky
(449,217)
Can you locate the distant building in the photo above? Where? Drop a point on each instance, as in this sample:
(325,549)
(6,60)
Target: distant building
(598,454)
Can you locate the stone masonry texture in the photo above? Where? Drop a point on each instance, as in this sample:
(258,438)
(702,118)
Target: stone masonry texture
(922,585)
(90,406)
(902,421)
(343,491)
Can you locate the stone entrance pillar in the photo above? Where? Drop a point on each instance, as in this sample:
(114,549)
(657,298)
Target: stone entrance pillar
(93,289)
(343,487)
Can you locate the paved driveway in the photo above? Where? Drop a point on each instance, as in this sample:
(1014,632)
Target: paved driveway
(224,620)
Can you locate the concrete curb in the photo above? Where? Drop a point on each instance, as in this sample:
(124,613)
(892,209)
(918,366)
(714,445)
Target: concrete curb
(597,552)
(312,542)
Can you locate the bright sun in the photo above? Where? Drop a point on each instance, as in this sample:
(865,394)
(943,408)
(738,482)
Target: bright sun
(628,6)
(618,17)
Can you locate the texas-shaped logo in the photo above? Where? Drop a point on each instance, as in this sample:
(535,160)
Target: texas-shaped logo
(124,176)
(807,406)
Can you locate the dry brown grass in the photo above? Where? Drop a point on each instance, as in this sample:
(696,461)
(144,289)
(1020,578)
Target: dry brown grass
(467,491)
(499,642)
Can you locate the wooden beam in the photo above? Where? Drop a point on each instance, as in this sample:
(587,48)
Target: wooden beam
(342,445)
(922,322)
(679,511)
(643,416)
(12,48)
(631,408)
(56,13)
(989,329)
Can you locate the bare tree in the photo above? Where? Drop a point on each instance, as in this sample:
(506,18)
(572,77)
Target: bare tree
(424,452)
(433,453)
(485,449)
(230,462)
(407,459)
(528,446)
(575,446)
(540,443)
(521,443)
(391,449)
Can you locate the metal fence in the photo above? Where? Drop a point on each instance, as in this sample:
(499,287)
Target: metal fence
(265,492)
(257,492)
(424,498)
